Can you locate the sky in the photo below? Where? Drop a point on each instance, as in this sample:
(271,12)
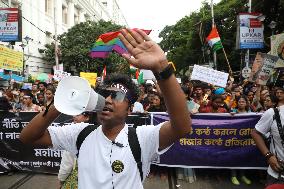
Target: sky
(156,14)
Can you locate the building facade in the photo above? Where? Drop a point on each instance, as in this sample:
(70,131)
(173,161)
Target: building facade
(42,19)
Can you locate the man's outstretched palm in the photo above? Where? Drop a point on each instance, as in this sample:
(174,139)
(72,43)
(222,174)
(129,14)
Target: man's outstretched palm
(146,54)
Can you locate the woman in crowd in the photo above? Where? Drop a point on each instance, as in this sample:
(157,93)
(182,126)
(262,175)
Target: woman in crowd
(242,108)
(242,105)
(270,102)
(188,174)
(49,95)
(157,106)
(215,105)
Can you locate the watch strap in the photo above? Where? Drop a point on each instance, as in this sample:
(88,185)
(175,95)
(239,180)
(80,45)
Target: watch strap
(166,73)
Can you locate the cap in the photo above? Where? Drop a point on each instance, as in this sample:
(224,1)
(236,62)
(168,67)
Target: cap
(219,91)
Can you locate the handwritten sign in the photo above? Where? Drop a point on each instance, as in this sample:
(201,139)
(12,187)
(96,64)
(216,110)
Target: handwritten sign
(59,75)
(208,75)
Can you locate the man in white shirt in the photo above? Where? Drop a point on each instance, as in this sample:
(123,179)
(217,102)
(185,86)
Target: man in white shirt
(105,159)
(267,124)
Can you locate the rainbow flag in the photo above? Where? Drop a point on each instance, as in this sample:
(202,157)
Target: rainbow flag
(108,42)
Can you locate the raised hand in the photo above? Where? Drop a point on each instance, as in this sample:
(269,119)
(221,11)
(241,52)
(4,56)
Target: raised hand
(144,53)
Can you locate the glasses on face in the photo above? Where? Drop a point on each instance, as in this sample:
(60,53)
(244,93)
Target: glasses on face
(118,96)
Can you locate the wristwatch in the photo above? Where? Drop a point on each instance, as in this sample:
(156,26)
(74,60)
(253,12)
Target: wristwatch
(166,73)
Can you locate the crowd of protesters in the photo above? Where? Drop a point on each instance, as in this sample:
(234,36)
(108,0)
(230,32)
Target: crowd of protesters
(23,99)
(235,98)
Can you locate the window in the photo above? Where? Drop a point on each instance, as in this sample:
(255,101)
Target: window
(64,14)
(87,17)
(48,7)
(76,16)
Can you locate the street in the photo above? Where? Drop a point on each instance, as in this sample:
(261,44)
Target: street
(204,181)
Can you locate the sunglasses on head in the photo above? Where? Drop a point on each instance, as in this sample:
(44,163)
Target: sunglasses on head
(115,95)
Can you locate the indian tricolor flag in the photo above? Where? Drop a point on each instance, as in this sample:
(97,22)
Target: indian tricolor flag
(132,68)
(104,74)
(214,40)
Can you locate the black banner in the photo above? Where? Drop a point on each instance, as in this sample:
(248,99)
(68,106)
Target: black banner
(16,155)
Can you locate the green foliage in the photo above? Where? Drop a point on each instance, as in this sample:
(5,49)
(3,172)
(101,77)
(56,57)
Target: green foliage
(75,47)
(185,42)
(30,79)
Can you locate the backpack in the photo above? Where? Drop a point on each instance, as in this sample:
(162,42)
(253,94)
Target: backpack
(132,140)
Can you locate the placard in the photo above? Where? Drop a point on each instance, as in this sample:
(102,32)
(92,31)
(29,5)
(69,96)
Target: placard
(262,68)
(91,77)
(208,75)
(277,48)
(11,59)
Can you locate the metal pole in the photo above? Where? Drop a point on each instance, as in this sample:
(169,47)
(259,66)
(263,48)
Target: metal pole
(55,36)
(24,64)
(247,60)
(249,6)
(213,25)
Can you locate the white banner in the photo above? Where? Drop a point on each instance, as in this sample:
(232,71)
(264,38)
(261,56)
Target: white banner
(208,75)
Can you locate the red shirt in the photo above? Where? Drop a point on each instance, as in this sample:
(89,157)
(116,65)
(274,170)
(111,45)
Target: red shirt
(209,109)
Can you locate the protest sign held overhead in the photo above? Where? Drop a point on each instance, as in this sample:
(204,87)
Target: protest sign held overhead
(208,75)
(262,68)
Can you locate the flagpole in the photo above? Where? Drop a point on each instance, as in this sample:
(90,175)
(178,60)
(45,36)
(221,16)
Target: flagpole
(230,69)
(213,25)
(214,55)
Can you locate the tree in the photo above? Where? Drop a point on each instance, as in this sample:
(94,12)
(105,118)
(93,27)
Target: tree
(185,42)
(75,47)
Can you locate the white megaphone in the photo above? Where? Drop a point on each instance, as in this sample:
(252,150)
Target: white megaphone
(74,96)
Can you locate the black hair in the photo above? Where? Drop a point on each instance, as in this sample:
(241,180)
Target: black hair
(126,81)
(185,79)
(45,85)
(185,89)
(273,98)
(51,88)
(38,94)
(215,96)
(29,93)
(4,104)
(246,99)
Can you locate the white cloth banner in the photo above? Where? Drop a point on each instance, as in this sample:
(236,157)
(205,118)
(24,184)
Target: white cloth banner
(208,75)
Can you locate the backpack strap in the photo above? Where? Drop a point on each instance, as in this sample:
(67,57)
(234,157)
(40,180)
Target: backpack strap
(279,124)
(83,135)
(135,148)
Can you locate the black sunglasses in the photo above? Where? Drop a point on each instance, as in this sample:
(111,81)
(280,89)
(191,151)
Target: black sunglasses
(115,95)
